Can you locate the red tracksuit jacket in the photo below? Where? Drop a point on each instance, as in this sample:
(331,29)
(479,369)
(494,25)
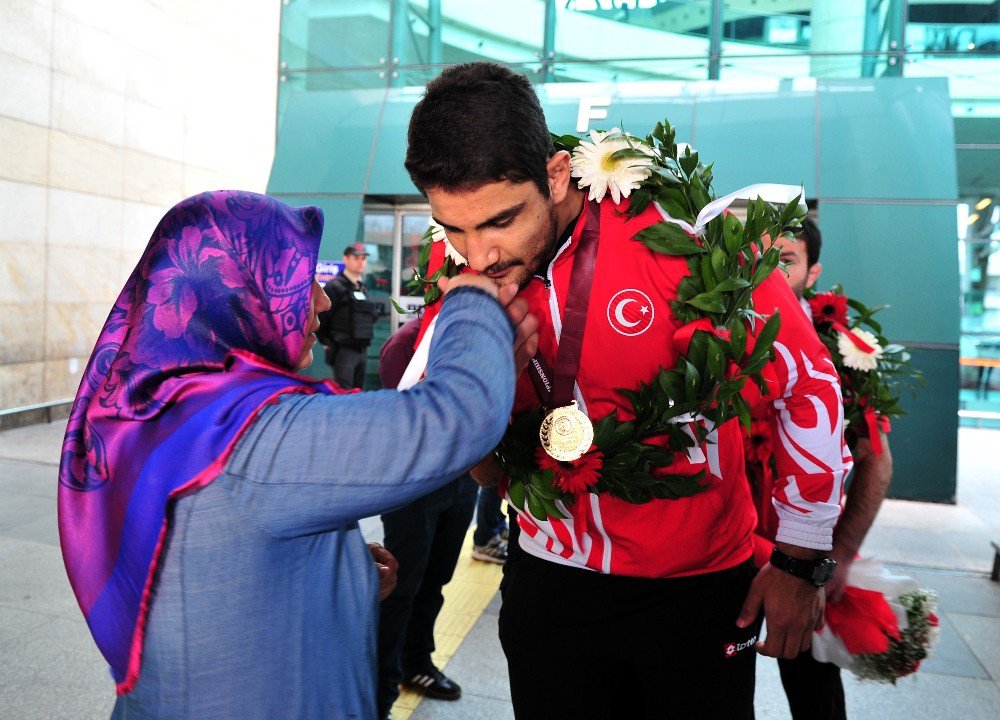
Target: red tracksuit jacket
(628,338)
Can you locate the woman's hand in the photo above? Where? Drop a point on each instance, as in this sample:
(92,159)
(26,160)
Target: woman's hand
(483,282)
(525,324)
(387,569)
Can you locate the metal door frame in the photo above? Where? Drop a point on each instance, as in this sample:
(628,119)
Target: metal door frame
(397,212)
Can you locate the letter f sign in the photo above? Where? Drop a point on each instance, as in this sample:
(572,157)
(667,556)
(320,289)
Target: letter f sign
(591,109)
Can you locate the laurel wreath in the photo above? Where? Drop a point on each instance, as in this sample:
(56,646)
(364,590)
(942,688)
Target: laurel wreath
(727,262)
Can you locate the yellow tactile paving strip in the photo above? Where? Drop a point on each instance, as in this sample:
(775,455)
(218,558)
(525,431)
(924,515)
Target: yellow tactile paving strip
(465,597)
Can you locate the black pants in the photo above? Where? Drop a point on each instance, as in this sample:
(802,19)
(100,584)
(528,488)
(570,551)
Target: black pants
(348,366)
(584,645)
(814,689)
(426,538)
(490,520)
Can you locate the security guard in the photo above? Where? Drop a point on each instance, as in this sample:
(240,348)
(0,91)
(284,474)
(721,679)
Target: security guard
(346,328)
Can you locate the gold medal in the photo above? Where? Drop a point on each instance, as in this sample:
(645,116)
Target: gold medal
(566,433)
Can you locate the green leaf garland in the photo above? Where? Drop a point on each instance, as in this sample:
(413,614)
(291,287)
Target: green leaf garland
(727,262)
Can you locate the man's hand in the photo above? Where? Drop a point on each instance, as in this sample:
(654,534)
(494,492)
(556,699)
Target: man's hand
(834,590)
(793,609)
(387,568)
(525,328)
(486,473)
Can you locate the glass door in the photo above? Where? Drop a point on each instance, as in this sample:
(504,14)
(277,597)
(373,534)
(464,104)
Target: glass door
(392,236)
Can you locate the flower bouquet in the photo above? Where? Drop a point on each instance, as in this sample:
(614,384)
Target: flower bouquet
(882,628)
(872,371)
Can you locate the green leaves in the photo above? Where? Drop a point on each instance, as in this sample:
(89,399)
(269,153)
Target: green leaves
(639,201)
(400,309)
(732,283)
(669,239)
(517,494)
(710,302)
(766,264)
(627,153)
(732,231)
(565,142)
(688,161)
(737,340)
(764,342)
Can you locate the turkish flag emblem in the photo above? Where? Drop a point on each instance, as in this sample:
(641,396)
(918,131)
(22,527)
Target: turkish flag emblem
(630,312)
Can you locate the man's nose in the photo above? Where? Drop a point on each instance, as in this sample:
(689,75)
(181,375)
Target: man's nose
(480,253)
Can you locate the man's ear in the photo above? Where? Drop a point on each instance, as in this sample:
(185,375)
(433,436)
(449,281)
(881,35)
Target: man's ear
(813,275)
(557,169)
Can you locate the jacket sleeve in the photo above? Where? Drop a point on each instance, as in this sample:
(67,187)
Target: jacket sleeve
(320,462)
(810,455)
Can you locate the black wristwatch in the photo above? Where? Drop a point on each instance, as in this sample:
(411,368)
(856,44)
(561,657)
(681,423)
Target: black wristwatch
(818,571)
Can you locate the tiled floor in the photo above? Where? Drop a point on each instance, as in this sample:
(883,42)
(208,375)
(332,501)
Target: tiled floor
(49,668)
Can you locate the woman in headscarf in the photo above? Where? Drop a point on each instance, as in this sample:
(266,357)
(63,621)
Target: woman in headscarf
(209,495)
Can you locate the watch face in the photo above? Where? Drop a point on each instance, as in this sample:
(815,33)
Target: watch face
(823,571)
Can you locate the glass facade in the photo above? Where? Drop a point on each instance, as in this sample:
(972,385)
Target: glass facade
(349,44)
(886,110)
(330,45)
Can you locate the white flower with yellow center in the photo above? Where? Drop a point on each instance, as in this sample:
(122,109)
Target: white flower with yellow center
(439,235)
(855,357)
(593,163)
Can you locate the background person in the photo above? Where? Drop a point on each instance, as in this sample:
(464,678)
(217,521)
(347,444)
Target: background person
(210,541)
(489,539)
(426,537)
(347,328)
(814,689)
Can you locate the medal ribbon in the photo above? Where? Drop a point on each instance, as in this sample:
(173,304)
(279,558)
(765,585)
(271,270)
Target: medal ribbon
(556,388)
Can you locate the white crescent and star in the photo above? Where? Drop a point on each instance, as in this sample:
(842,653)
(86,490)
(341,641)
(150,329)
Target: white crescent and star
(616,312)
(620,307)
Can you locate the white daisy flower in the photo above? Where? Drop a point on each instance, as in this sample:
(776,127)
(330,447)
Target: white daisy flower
(439,235)
(855,357)
(593,164)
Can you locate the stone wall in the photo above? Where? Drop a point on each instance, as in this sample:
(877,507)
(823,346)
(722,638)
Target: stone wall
(110,112)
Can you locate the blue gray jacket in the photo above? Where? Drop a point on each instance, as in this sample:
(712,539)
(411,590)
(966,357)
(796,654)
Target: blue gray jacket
(266,606)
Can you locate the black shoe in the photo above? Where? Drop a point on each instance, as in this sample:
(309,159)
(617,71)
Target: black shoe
(434,684)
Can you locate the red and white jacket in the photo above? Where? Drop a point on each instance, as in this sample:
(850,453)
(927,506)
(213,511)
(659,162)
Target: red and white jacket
(628,338)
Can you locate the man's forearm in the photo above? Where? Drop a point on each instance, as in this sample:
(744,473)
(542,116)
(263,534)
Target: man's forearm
(867,490)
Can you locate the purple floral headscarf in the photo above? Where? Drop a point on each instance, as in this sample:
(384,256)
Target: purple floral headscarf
(206,332)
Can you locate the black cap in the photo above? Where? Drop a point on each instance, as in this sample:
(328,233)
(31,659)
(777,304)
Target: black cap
(356,249)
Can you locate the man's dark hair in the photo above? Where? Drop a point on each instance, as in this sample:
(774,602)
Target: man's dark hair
(814,241)
(478,122)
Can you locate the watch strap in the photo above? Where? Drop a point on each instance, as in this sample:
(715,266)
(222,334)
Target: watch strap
(815,571)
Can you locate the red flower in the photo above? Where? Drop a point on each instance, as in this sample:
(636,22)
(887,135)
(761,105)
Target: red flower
(575,476)
(829,307)
(932,620)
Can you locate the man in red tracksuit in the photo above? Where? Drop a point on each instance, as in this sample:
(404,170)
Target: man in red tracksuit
(628,610)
